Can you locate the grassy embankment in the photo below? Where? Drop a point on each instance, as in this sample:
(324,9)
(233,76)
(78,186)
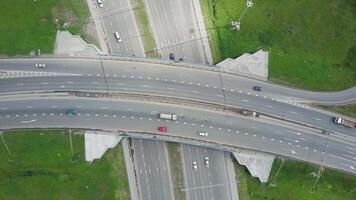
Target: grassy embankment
(41,166)
(295,181)
(346,110)
(143,24)
(26,26)
(176,166)
(312,43)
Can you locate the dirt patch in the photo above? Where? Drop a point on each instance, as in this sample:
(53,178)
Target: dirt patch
(61,16)
(90,34)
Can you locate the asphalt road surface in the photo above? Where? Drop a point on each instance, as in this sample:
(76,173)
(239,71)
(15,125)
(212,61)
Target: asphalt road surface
(250,133)
(117,16)
(176,30)
(81,74)
(208,182)
(151,158)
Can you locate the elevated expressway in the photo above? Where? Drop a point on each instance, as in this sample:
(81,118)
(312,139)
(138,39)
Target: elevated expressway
(335,149)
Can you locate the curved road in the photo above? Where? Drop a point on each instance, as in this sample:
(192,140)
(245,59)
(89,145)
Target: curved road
(91,74)
(251,133)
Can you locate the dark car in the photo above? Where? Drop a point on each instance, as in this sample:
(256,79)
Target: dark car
(257,88)
(171,56)
(72,112)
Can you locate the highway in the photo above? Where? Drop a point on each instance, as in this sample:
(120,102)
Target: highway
(117,16)
(176,30)
(81,74)
(151,160)
(234,130)
(207,182)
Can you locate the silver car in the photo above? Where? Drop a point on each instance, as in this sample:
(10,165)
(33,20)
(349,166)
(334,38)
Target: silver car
(41,65)
(195,166)
(100,3)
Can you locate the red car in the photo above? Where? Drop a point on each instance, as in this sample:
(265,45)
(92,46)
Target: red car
(163,129)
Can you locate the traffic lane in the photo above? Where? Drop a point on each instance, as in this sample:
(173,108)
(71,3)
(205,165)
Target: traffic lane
(246,84)
(192,180)
(171,31)
(216,121)
(67,65)
(206,182)
(70,65)
(316,119)
(146,70)
(285,111)
(114,122)
(153,169)
(52,83)
(121,19)
(172,88)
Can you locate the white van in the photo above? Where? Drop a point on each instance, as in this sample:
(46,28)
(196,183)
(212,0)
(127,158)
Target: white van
(117,36)
(203,134)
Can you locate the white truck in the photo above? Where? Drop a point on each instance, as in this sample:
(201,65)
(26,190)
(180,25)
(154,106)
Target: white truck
(168,116)
(344,122)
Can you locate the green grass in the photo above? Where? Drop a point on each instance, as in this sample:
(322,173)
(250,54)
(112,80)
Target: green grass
(346,110)
(312,43)
(144,28)
(295,182)
(176,165)
(41,167)
(26,25)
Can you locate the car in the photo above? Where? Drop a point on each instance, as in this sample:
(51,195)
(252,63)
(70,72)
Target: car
(195,166)
(206,161)
(117,37)
(100,3)
(171,56)
(71,112)
(205,134)
(41,65)
(257,88)
(163,129)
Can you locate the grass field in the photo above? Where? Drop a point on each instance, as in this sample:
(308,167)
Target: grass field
(144,28)
(312,43)
(176,167)
(26,25)
(347,110)
(41,167)
(295,182)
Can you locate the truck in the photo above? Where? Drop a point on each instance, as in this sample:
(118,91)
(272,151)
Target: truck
(344,122)
(249,113)
(168,116)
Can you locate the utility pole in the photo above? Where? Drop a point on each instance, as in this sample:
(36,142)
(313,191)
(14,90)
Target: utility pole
(71,143)
(321,168)
(236,24)
(3,140)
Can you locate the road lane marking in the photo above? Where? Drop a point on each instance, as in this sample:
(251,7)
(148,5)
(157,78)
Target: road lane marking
(351,148)
(293,132)
(244,100)
(350,156)
(341,158)
(30,121)
(269,106)
(317,118)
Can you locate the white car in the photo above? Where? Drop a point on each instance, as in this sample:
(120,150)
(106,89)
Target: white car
(195,166)
(40,65)
(117,37)
(206,161)
(205,134)
(100,3)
